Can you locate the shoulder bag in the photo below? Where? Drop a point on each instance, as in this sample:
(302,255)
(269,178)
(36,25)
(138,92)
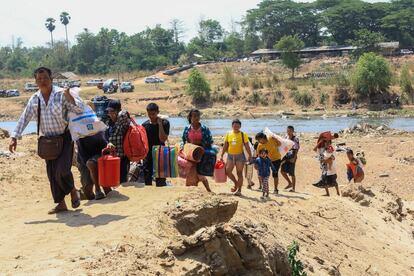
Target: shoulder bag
(48,148)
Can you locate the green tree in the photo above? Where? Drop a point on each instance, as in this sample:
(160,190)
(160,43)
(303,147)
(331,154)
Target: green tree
(64,19)
(210,31)
(344,19)
(50,26)
(366,41)
(198,87)
(398,23)
(273,19)
(406,83)
(289,45)
(372,75)
(234,44)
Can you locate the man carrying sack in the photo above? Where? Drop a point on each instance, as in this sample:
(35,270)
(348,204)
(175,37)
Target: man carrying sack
(50,106)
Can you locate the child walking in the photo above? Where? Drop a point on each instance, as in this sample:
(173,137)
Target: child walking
(264,164)
(329,175)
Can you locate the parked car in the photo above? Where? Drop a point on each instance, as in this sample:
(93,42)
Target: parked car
(74,83)
(13,93)
(127,86)
(31,87)
(9,93)
(153,80)
(406,52)
(95,82)
(110,86)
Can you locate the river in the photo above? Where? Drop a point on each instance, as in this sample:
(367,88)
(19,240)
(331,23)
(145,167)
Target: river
(251,126)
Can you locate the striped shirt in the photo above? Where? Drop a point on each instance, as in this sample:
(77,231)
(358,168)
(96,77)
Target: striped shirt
(54,115)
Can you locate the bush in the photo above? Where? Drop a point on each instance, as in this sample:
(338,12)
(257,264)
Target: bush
(174,79)
(245,82)
(198,87)
(256,83)
(291,85)
(406,84)
(323,98)
(256,98)
(372,75)
(296,265)
(275,79)
(269,83)
(302,98)
(278,97)
(221,97)
(342,80)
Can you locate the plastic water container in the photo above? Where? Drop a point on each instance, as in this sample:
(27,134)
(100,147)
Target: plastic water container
(220,172)
(109,169)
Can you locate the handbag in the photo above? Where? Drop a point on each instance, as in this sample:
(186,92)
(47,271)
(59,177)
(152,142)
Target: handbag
(48,148)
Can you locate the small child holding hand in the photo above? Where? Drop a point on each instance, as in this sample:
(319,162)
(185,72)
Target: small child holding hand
(264,164)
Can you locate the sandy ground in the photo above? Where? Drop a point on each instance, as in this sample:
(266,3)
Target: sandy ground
(124,233)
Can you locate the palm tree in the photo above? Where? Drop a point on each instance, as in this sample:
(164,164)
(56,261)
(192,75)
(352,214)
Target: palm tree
(50,25)
(64,19)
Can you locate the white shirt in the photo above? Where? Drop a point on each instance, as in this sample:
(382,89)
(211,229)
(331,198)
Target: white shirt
(53,116)
(330,168)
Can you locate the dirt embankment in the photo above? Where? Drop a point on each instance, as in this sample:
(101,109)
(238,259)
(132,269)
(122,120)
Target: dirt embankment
(263,89)
(185,231)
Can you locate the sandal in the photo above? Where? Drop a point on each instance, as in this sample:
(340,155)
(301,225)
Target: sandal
(238,193)
(76,203)
(56,210)
(99,195)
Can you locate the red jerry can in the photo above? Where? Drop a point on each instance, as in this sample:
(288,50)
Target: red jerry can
(220,172)
(109,167)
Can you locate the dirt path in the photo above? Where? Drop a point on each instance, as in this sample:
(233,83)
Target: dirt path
(120,234)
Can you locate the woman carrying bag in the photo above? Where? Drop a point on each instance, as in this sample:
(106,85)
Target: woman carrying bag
(197,134)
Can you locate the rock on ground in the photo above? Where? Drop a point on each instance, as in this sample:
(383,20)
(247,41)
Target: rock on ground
(189,216)
(231,249)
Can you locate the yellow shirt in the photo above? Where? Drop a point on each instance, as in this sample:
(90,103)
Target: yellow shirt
(272,148)
(235,142)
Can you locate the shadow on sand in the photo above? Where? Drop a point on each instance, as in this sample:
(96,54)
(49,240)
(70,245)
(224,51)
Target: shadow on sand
(78,219)
(113,197)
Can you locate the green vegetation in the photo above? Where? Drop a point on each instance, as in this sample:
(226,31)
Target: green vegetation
(230,80)
(322,22)
(372,75)
(406,84)
(198,87)
(323,98)
(302,98)
(295,265)
(289,44)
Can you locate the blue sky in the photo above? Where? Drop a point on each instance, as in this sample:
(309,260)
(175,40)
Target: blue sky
(25,18)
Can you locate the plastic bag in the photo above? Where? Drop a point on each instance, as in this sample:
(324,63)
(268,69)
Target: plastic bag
(286,144)
(85,123)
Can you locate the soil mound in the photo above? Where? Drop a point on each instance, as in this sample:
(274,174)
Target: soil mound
(191,215)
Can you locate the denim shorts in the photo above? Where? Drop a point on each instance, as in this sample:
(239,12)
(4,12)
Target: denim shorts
(236,158)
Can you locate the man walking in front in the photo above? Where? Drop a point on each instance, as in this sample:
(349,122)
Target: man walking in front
(50,106)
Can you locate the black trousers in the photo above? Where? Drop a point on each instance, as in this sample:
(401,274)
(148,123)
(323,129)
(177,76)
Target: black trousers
(59,171)
(148,172)
(124,169)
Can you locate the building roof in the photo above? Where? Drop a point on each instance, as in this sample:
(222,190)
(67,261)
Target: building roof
(307,50)
(65,76)
(326,49)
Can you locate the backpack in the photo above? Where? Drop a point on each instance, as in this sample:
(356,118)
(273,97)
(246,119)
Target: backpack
(136,142)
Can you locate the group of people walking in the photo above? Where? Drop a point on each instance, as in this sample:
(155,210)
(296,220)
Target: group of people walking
(50,106)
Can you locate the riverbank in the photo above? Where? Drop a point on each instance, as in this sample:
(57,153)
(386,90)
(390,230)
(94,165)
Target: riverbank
(363,232)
